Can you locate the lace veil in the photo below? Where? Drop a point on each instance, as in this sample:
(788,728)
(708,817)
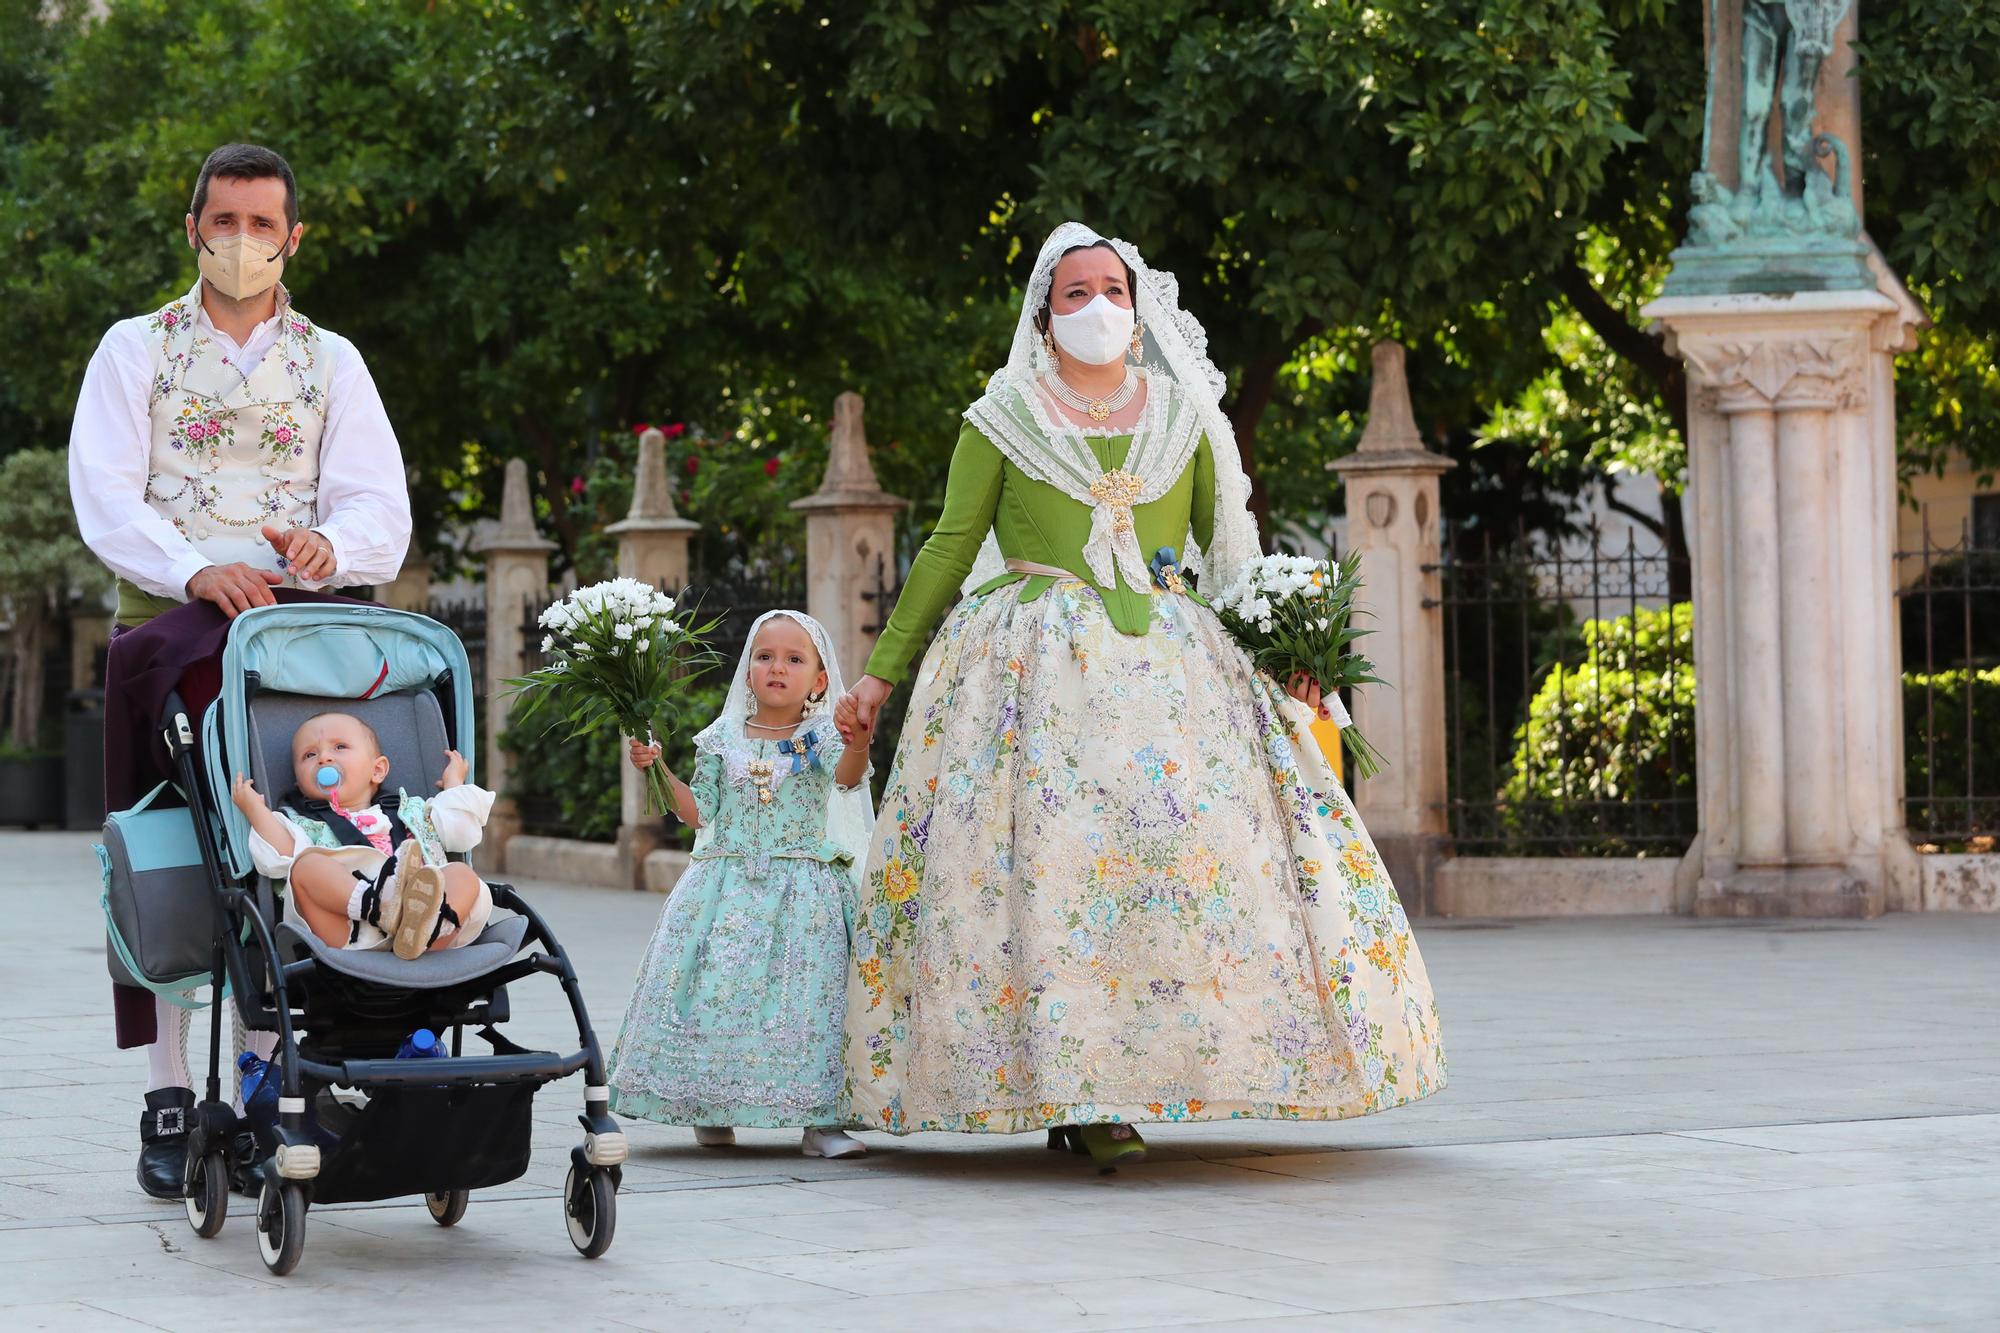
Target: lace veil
(1020,416)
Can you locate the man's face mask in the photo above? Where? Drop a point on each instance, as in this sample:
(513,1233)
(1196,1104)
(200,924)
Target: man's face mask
(240,266)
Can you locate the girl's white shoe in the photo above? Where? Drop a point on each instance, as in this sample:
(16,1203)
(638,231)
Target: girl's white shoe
(830,1143)
(715,1136)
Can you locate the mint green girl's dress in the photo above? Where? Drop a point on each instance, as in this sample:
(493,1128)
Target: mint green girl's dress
(738,1011)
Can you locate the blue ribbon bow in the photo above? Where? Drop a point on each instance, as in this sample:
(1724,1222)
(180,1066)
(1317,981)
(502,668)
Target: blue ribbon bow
(1166,567)
(804,751)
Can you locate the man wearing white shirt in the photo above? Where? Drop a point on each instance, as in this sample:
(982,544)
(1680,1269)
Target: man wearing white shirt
(223,446)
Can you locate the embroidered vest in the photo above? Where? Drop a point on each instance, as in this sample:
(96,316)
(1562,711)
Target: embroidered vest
(229,453)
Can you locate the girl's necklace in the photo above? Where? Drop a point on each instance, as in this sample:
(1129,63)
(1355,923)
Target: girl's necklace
(1097,409)
(772,726)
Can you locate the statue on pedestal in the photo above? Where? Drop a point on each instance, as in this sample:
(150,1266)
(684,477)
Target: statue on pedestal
(1790,224)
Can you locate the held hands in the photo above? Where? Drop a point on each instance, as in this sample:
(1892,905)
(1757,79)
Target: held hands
(643,756)
(454,771)
(1306,690)
(854,716)
(238,587)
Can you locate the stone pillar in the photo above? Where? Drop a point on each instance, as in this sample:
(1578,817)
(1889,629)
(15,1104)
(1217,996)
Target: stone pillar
(1792,483)
(1393,522)
(517,576)
(653,544)
(850,534)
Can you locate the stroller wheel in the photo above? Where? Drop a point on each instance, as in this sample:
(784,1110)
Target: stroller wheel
(448,1207)
(208,1193)
(281,1223)
(590,1205)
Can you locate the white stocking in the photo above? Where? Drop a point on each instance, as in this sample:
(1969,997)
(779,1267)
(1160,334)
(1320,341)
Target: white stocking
(167,1057)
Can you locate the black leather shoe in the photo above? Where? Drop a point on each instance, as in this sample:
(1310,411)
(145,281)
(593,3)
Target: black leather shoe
(163,1133)
(246,1165)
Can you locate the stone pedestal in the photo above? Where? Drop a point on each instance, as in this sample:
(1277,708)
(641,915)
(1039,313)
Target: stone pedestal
(850,535)
(517,577)
(653,542)
(1792,485)
(1392,521)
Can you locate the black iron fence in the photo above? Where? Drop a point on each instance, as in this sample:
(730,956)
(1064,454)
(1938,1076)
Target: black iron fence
(1570,700)
(1948,613)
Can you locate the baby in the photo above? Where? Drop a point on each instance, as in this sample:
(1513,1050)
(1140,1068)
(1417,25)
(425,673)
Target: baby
(361,877)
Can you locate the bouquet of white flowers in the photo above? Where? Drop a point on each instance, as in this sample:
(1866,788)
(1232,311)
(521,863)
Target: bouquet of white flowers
(615,656)
(1291,613)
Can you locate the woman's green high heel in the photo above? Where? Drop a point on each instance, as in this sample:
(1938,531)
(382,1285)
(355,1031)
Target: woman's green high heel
(1109,1146)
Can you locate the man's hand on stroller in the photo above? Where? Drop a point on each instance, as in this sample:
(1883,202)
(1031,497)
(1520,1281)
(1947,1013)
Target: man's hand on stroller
(234,588)
(454,771)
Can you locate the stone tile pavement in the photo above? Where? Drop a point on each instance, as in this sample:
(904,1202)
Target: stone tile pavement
(1651,1124)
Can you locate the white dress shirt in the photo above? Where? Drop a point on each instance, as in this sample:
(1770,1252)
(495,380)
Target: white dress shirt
(364,502)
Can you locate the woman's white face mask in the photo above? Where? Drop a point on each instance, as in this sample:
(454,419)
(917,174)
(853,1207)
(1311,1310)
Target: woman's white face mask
(240,266)
(1096,335)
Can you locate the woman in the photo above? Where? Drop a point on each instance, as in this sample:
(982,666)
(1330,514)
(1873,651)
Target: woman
(1112,880)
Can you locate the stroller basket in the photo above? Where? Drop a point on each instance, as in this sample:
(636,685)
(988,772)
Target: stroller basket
(430,1140)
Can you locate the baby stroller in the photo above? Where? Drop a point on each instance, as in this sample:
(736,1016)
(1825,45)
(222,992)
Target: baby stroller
(341,1015)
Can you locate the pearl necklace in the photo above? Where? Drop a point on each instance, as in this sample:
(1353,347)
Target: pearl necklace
(1097,409)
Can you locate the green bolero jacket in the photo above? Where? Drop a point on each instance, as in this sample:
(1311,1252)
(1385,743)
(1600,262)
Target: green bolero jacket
(1032,521)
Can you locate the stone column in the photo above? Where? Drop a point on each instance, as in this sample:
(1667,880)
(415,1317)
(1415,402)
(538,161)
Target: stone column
(1792,483)
(1392,520)
(653,544)
(850,534)
(517,576)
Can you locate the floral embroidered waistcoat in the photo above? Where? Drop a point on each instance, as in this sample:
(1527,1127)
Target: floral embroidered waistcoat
(229,453)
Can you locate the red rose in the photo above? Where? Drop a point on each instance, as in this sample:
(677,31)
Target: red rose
(770,467)
(642,428)
(693,465)
(675,431)
(576,486)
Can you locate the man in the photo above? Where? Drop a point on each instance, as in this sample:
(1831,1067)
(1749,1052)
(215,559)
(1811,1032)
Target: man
(223,447)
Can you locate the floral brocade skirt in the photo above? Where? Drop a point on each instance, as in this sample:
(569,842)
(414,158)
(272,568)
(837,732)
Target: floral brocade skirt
(735,1018)
(1114,880)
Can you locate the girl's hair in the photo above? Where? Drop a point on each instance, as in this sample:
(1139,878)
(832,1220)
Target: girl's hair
(1042,315)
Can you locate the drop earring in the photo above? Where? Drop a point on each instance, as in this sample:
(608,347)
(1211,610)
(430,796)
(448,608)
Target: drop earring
(1138,340)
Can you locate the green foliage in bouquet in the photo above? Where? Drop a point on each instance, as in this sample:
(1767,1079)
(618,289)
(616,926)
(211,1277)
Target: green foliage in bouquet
(617,659)
(1293,614)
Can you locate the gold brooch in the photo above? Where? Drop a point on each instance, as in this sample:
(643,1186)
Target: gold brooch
(760,774)
(1119,490)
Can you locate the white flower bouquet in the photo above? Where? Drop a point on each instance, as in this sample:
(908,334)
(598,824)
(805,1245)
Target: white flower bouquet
(615,656)
(1292,614)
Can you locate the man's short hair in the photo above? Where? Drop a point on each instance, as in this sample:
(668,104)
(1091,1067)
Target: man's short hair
(246,162)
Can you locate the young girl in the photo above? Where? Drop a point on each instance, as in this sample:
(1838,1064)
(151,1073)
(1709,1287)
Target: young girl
(738,1011)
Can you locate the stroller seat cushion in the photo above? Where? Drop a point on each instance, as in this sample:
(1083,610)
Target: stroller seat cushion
(494,949)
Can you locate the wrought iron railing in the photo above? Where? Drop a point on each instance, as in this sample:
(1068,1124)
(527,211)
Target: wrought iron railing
(1948,613)
(1569,699)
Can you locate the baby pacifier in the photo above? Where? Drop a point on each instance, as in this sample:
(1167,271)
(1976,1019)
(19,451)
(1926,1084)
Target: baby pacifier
(328,777)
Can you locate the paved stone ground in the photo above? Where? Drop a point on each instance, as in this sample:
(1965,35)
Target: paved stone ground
(1652,1123)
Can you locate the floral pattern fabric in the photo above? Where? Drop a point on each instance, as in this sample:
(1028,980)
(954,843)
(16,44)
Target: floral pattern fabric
(736,1017)
(229,452)
(1114,880)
